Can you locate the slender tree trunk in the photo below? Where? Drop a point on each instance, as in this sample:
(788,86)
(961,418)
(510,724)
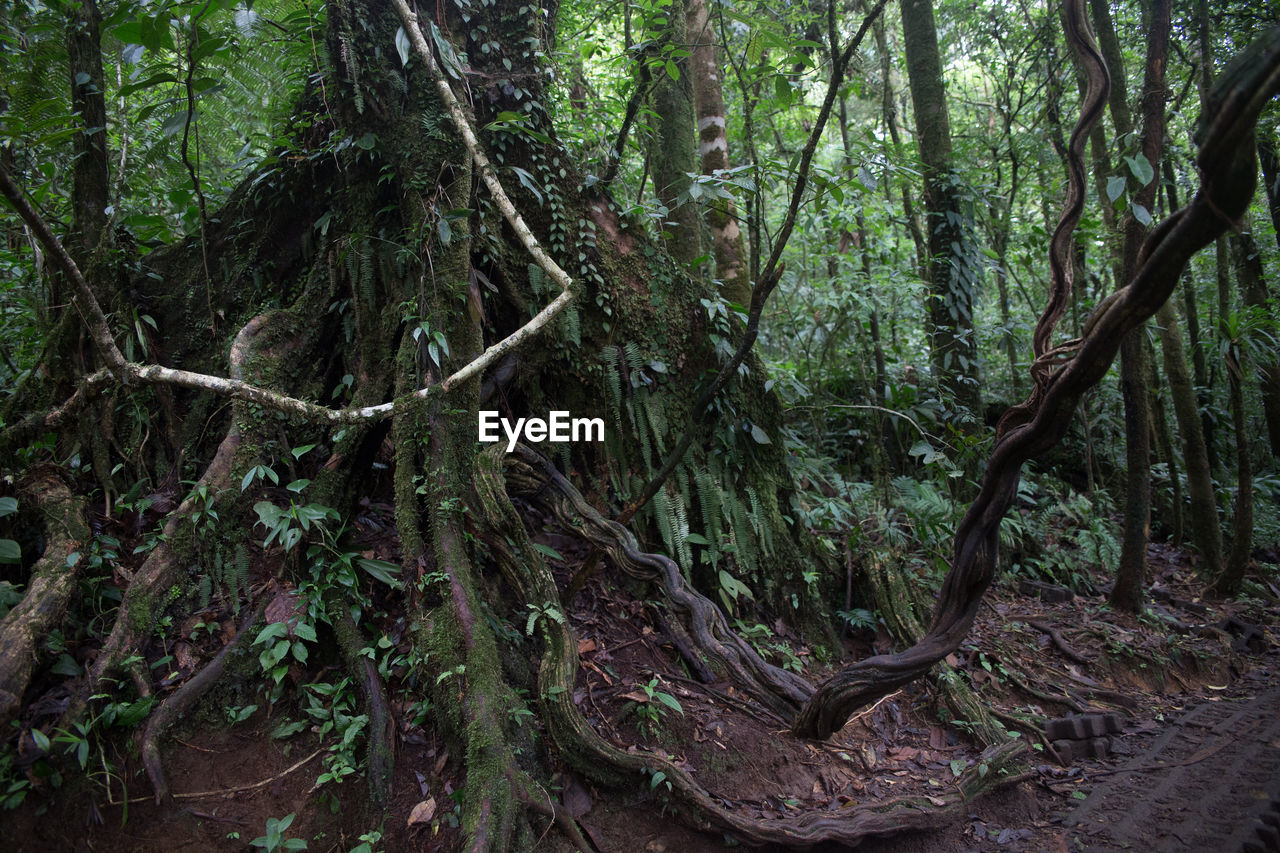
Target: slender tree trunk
(1206,532)
(1269,157)
(713,151)
(889,112)
(90,180)
(1255,293)
(1131,573)
(672,155)
(951,343)
(1232,577)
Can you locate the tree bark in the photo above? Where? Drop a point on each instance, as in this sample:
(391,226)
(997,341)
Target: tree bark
(672,155)
(713,151)
(1206,532)
(951,275)
(1131,573)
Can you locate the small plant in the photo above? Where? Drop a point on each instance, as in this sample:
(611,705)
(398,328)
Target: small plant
(332,706)
(651,707)
(10,552)
(274,839)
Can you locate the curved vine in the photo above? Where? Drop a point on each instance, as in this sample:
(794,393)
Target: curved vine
(1228,176)
(590,753)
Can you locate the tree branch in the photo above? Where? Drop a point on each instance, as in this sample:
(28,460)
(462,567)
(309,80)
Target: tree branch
(500,198)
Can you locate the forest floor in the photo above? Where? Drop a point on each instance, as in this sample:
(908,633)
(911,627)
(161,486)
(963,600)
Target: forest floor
(1195,684)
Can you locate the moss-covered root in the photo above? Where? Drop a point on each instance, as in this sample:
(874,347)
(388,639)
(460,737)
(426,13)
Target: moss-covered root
(898,605)
(48,591)
(584,749)
(363,671)
(777,689)
(153,587)
(180,702)
(150,591)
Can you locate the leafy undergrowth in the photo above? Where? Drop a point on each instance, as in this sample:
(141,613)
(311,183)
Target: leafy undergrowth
(273,756)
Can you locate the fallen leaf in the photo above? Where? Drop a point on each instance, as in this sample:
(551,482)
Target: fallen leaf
(587,645)
(423,812)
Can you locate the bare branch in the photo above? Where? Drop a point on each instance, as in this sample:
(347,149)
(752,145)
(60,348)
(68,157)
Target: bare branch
(509,212)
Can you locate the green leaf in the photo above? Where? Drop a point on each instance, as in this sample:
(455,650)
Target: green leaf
(304,631)
(10,551)
(402,46)
(1141,214)
(270,632)
(673,71)
(381,570)
(548,551)
(697,539)
(299,452)
(657,779)
(957,766)
(1115,187)
(782,91)
(288,729)
(8,506)
(669,700)
(298,485)
(174,124)
(1141,168)
(760,435)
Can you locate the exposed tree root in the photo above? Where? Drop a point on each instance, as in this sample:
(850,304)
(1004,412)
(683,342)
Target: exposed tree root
(381,730)
(180,702)
(729,655)
(49,589)
(147,596)
(898,604)
(1063,374)
(589,753)
(1059,642)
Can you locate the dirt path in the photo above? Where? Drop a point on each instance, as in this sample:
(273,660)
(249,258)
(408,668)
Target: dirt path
(1210,780)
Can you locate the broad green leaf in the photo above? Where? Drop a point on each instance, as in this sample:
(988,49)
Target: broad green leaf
(10,551)
(1115,187)
(402,46)
(381,570)
(760,435)
(548,551)
(669,700)
(1141,168)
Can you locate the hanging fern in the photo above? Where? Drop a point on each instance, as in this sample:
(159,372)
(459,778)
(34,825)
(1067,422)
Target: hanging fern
(537,279)
(571,327)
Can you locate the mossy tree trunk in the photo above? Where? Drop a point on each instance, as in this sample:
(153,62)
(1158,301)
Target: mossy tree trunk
(368,262)
(713,153)
(952,273)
